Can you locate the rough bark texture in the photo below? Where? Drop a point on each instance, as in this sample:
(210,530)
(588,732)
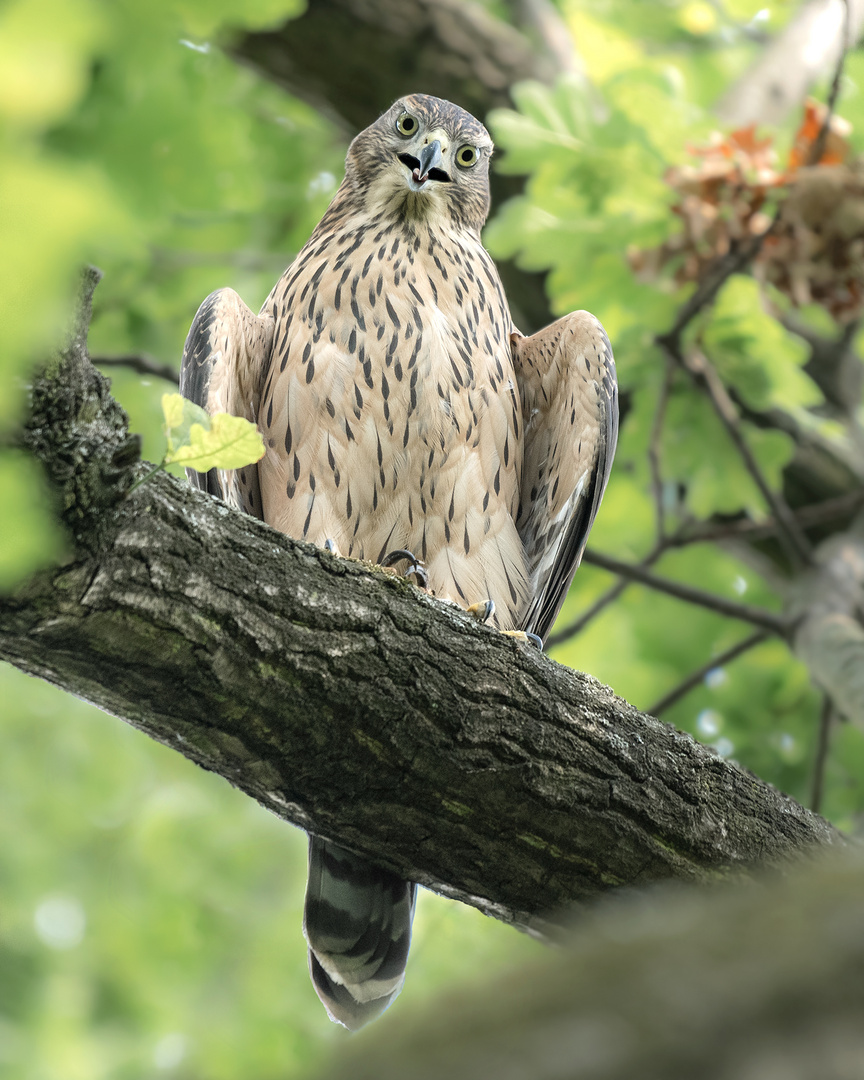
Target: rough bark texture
(756,983)
(349,703)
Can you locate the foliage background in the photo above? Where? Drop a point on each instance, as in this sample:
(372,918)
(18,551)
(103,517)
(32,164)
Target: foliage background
(149,915)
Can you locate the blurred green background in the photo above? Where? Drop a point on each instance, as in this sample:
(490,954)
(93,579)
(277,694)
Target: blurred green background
(149,914)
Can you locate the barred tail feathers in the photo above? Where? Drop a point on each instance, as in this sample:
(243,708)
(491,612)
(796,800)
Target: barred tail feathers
(357,923)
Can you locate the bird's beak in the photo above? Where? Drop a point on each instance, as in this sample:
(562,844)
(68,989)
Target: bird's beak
(430,158)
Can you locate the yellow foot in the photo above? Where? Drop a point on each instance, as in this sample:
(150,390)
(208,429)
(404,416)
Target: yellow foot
(523,635)
(482,611)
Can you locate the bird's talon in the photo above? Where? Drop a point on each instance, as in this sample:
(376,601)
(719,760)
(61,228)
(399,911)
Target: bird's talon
(415,567)
(330,546)
(419,572)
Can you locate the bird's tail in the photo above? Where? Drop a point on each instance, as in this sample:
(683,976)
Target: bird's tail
(358,925)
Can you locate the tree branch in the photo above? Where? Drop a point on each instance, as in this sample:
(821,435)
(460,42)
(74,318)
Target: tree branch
(789,533)
(354,706)
(143,365)
(834,92)
(654,451)
(695,677)
(566,633)
(339,55)
(668,985)
(690,594)
(814,39)
(813,516)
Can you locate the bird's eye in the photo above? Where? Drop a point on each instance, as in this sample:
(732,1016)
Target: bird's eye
(466,156)
(407,124)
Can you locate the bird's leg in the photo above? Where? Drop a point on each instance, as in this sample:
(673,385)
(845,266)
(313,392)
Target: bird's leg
(415,567)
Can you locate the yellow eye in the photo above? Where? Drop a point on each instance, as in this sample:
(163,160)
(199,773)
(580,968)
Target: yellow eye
(407,124)
(466,156)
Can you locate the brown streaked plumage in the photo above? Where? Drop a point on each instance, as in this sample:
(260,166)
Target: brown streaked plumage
(400,408)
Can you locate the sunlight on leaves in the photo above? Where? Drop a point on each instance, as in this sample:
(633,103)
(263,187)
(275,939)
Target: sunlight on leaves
(754,352)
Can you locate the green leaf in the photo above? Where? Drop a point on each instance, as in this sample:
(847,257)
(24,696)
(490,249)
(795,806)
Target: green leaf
(755,353)
(698,454)
(199,441)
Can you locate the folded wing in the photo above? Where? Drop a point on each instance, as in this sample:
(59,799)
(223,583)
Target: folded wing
(225,359)
(569,392)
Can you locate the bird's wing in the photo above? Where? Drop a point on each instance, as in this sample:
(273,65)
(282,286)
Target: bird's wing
(566,378)
(225,360)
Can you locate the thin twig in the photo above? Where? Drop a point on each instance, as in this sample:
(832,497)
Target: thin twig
(826,717)
(808,517)
(144,365)
(697,676)
(576,627)
(691,595)
(819,145)
(711,282)
(654,451)
(793,539)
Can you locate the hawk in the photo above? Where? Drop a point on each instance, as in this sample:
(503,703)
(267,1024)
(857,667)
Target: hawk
(404,415)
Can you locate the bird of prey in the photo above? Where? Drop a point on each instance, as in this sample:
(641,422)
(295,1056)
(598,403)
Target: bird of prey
(404,415)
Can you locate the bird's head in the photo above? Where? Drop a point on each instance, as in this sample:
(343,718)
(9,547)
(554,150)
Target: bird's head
(424,159)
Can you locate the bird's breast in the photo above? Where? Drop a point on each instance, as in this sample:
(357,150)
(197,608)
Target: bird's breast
(390,411)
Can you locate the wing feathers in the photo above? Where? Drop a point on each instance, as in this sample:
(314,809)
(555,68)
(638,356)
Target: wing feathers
(225,357)
(567,382)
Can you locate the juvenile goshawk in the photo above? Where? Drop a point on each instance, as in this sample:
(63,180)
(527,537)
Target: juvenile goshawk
(401,409)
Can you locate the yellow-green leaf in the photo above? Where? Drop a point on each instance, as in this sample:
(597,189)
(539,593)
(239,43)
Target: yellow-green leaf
(180,414)
(199,441)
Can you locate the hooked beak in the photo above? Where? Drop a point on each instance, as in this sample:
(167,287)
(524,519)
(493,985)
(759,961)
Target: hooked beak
(430,158)
(427,166)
